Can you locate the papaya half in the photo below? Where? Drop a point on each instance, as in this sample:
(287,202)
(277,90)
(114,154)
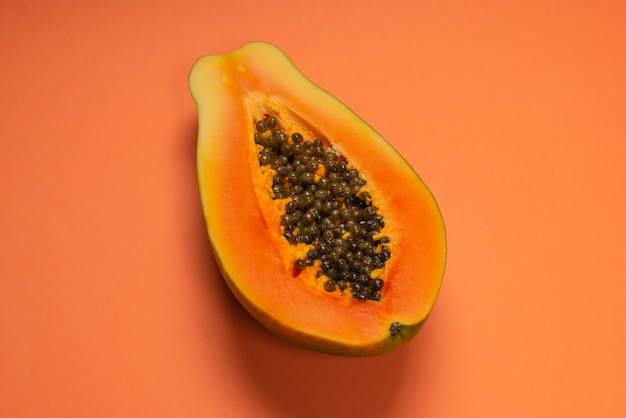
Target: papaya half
(321,229)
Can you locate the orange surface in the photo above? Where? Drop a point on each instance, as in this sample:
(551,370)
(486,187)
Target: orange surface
(514,113)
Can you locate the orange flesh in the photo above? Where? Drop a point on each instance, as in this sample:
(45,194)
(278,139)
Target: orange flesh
(243,222)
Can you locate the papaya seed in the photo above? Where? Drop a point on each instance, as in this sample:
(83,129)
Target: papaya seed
(299,265)
(328,210)
(330,285)
(271,123)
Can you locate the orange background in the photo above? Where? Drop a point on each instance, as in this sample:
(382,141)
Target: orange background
(514,113)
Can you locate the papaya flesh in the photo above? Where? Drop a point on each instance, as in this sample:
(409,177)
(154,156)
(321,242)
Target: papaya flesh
(390,249)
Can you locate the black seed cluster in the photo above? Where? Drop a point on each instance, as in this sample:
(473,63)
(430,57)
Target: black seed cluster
(328,209)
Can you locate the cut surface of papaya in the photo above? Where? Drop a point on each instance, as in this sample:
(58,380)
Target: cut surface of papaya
(321,229)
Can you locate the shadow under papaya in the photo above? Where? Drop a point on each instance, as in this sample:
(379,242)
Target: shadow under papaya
(307,384)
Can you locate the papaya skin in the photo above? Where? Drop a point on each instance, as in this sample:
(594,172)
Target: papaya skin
(233,90)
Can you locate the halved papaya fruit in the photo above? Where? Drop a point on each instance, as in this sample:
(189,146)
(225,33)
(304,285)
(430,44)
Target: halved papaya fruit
(322,231)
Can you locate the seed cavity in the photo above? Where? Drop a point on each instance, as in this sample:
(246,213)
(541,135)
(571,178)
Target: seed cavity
(329,210)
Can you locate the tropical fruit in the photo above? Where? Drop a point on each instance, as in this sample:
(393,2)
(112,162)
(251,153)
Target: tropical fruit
(321,229)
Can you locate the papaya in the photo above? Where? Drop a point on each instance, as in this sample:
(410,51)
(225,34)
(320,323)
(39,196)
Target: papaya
(321,229)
